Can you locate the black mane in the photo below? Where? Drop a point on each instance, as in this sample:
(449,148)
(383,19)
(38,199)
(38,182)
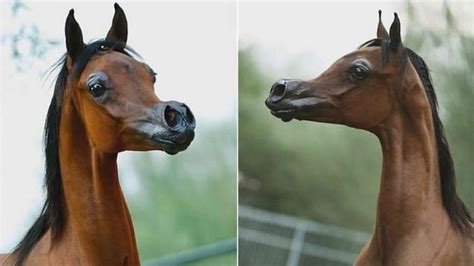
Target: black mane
(51,216)
(456,209)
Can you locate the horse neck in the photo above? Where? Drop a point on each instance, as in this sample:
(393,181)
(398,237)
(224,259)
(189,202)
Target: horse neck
(410,190)
(97,216)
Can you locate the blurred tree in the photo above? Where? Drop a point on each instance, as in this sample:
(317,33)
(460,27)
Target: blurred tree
(23,40)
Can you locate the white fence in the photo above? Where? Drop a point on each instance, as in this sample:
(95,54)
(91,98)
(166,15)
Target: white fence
(267,238)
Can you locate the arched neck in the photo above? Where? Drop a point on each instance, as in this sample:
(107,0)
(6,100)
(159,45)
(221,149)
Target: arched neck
(410,190)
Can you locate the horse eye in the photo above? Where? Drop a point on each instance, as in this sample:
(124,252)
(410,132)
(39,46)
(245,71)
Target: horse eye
(103,48)
(97,90)
(359,72)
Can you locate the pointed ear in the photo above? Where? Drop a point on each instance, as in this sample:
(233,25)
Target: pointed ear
(381,31)
(119,30)
(74,41)
(395,38)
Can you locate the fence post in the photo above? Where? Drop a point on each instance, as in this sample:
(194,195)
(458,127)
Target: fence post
(296,245)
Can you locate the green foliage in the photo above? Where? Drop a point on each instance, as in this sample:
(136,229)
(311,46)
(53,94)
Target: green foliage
(331,173)
(188,200)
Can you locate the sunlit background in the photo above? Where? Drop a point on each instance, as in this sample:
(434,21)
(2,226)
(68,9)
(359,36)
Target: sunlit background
(177,202)
(329,175)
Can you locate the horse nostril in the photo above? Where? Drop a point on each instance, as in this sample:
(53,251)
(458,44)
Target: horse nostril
(177,115)
(171,116)
(279,90)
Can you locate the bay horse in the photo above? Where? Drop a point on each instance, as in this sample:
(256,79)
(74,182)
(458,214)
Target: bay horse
(103,103)
(385,88)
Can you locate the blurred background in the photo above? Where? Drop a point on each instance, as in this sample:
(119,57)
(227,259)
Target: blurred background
(307,191)
(183,206)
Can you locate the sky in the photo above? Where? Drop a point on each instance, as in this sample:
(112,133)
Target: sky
(305,37)
(308,35)
(192,47)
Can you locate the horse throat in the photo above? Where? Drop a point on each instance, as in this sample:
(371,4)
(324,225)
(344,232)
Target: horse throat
(97,219)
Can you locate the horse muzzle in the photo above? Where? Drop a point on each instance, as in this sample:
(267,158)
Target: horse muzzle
(179,124)
(290,98)
(168,126)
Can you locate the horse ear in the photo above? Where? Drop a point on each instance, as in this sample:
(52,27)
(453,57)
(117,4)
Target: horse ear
(74,41)
(395,38)
(119,30)
(381,31)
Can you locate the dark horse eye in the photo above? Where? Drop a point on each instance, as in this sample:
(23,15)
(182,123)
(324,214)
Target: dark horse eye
(97,90)
(359,72)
